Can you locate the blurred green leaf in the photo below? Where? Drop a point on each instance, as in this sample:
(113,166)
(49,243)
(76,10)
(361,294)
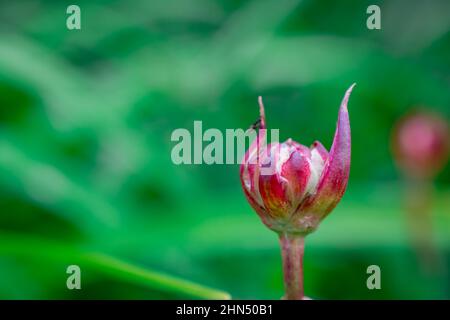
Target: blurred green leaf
(115,268)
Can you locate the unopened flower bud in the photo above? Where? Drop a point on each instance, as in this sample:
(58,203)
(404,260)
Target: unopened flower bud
(421,144)
(304,184)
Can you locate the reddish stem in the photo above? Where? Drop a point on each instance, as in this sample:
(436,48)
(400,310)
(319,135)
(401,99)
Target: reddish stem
(292,249)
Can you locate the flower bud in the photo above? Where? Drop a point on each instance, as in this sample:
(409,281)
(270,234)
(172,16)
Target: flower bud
(421,144)
(304,184)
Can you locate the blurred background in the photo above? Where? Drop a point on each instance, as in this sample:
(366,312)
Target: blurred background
(86,117)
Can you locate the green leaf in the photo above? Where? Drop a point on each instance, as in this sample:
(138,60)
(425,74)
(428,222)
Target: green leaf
(12,245)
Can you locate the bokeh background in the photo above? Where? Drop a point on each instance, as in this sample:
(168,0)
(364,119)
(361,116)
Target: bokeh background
(86,117)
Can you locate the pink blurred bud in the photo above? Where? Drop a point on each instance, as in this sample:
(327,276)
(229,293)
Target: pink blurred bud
(305,184)
(421,144)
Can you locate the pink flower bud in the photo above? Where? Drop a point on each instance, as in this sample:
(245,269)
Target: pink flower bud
(421,144)
(304,185)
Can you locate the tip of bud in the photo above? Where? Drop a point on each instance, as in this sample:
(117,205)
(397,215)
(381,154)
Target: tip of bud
(262,113)
(346,97)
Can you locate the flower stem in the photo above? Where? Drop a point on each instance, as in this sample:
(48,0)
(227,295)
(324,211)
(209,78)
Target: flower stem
(419,193)
(292,249)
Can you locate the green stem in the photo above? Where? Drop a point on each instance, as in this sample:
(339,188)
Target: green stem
(419,192)
(292,249)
